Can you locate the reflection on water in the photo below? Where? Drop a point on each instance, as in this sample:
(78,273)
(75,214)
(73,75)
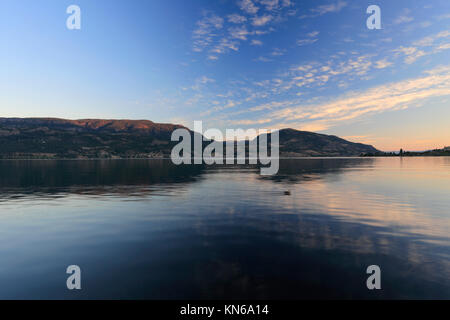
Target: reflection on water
(48,178)
(149,229)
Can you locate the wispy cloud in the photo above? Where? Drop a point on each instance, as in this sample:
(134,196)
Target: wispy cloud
(393,96)
(411,53)
(263,59)
(381,64)
(404,17)
(431,43)
(236,18)
(205,32)
(278,52)
(225,45)
(200,82)
(444,16)
(327,8)
(312,38)
(430,40)
(292,96)
(248,6)
(255,42)
(261,21)
(218,35)
(240,33)
(270,4)
(304,42)
(339,71)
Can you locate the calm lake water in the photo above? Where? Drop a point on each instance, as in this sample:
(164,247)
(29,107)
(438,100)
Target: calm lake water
(147,229)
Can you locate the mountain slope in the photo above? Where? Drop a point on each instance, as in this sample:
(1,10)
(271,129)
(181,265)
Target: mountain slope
(295,143)
(97,138)
(88,138)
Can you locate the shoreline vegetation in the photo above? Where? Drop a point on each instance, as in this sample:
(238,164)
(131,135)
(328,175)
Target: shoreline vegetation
(429,153)
(444,152)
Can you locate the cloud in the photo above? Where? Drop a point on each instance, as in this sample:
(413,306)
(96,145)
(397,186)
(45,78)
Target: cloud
(240,33)
(261,21)
(337,71)
(263,59)
(416,51)
(413,57)
(392,96)
(278,52)
(248,6)
(381,64)
(314,80)
(251,122)
(411,53)
(444,16)
(208,24)
(216,35)
(442,47)
(270,4)
(429,40)
(225,45)
(256,42)
(200,82)
(205,79)
(205,32)
(313,34)
(236,18)
(334,7)
(227,105)
(346,108)
(424,42)
(304,42)
(404,17)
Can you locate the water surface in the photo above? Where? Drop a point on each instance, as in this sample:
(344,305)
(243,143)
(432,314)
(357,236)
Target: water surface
(146,229)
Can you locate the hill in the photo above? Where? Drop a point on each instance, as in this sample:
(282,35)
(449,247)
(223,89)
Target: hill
(87,138)
(295,143)
(51,138)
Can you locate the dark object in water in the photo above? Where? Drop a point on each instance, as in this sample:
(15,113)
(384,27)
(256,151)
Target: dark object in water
(287,193)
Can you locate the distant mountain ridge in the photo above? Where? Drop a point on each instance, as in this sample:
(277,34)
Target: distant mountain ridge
(93,124)
(53,138)
(85,138)
(295,143)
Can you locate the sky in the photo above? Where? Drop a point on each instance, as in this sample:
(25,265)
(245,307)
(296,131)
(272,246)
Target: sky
(310,65)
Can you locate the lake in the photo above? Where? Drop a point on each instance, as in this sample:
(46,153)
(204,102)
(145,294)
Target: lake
(147,229)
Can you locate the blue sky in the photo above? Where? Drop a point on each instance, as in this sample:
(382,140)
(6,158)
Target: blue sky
(311,65)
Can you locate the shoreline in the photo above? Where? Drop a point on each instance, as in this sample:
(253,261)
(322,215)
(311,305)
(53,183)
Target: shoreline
(280,158)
